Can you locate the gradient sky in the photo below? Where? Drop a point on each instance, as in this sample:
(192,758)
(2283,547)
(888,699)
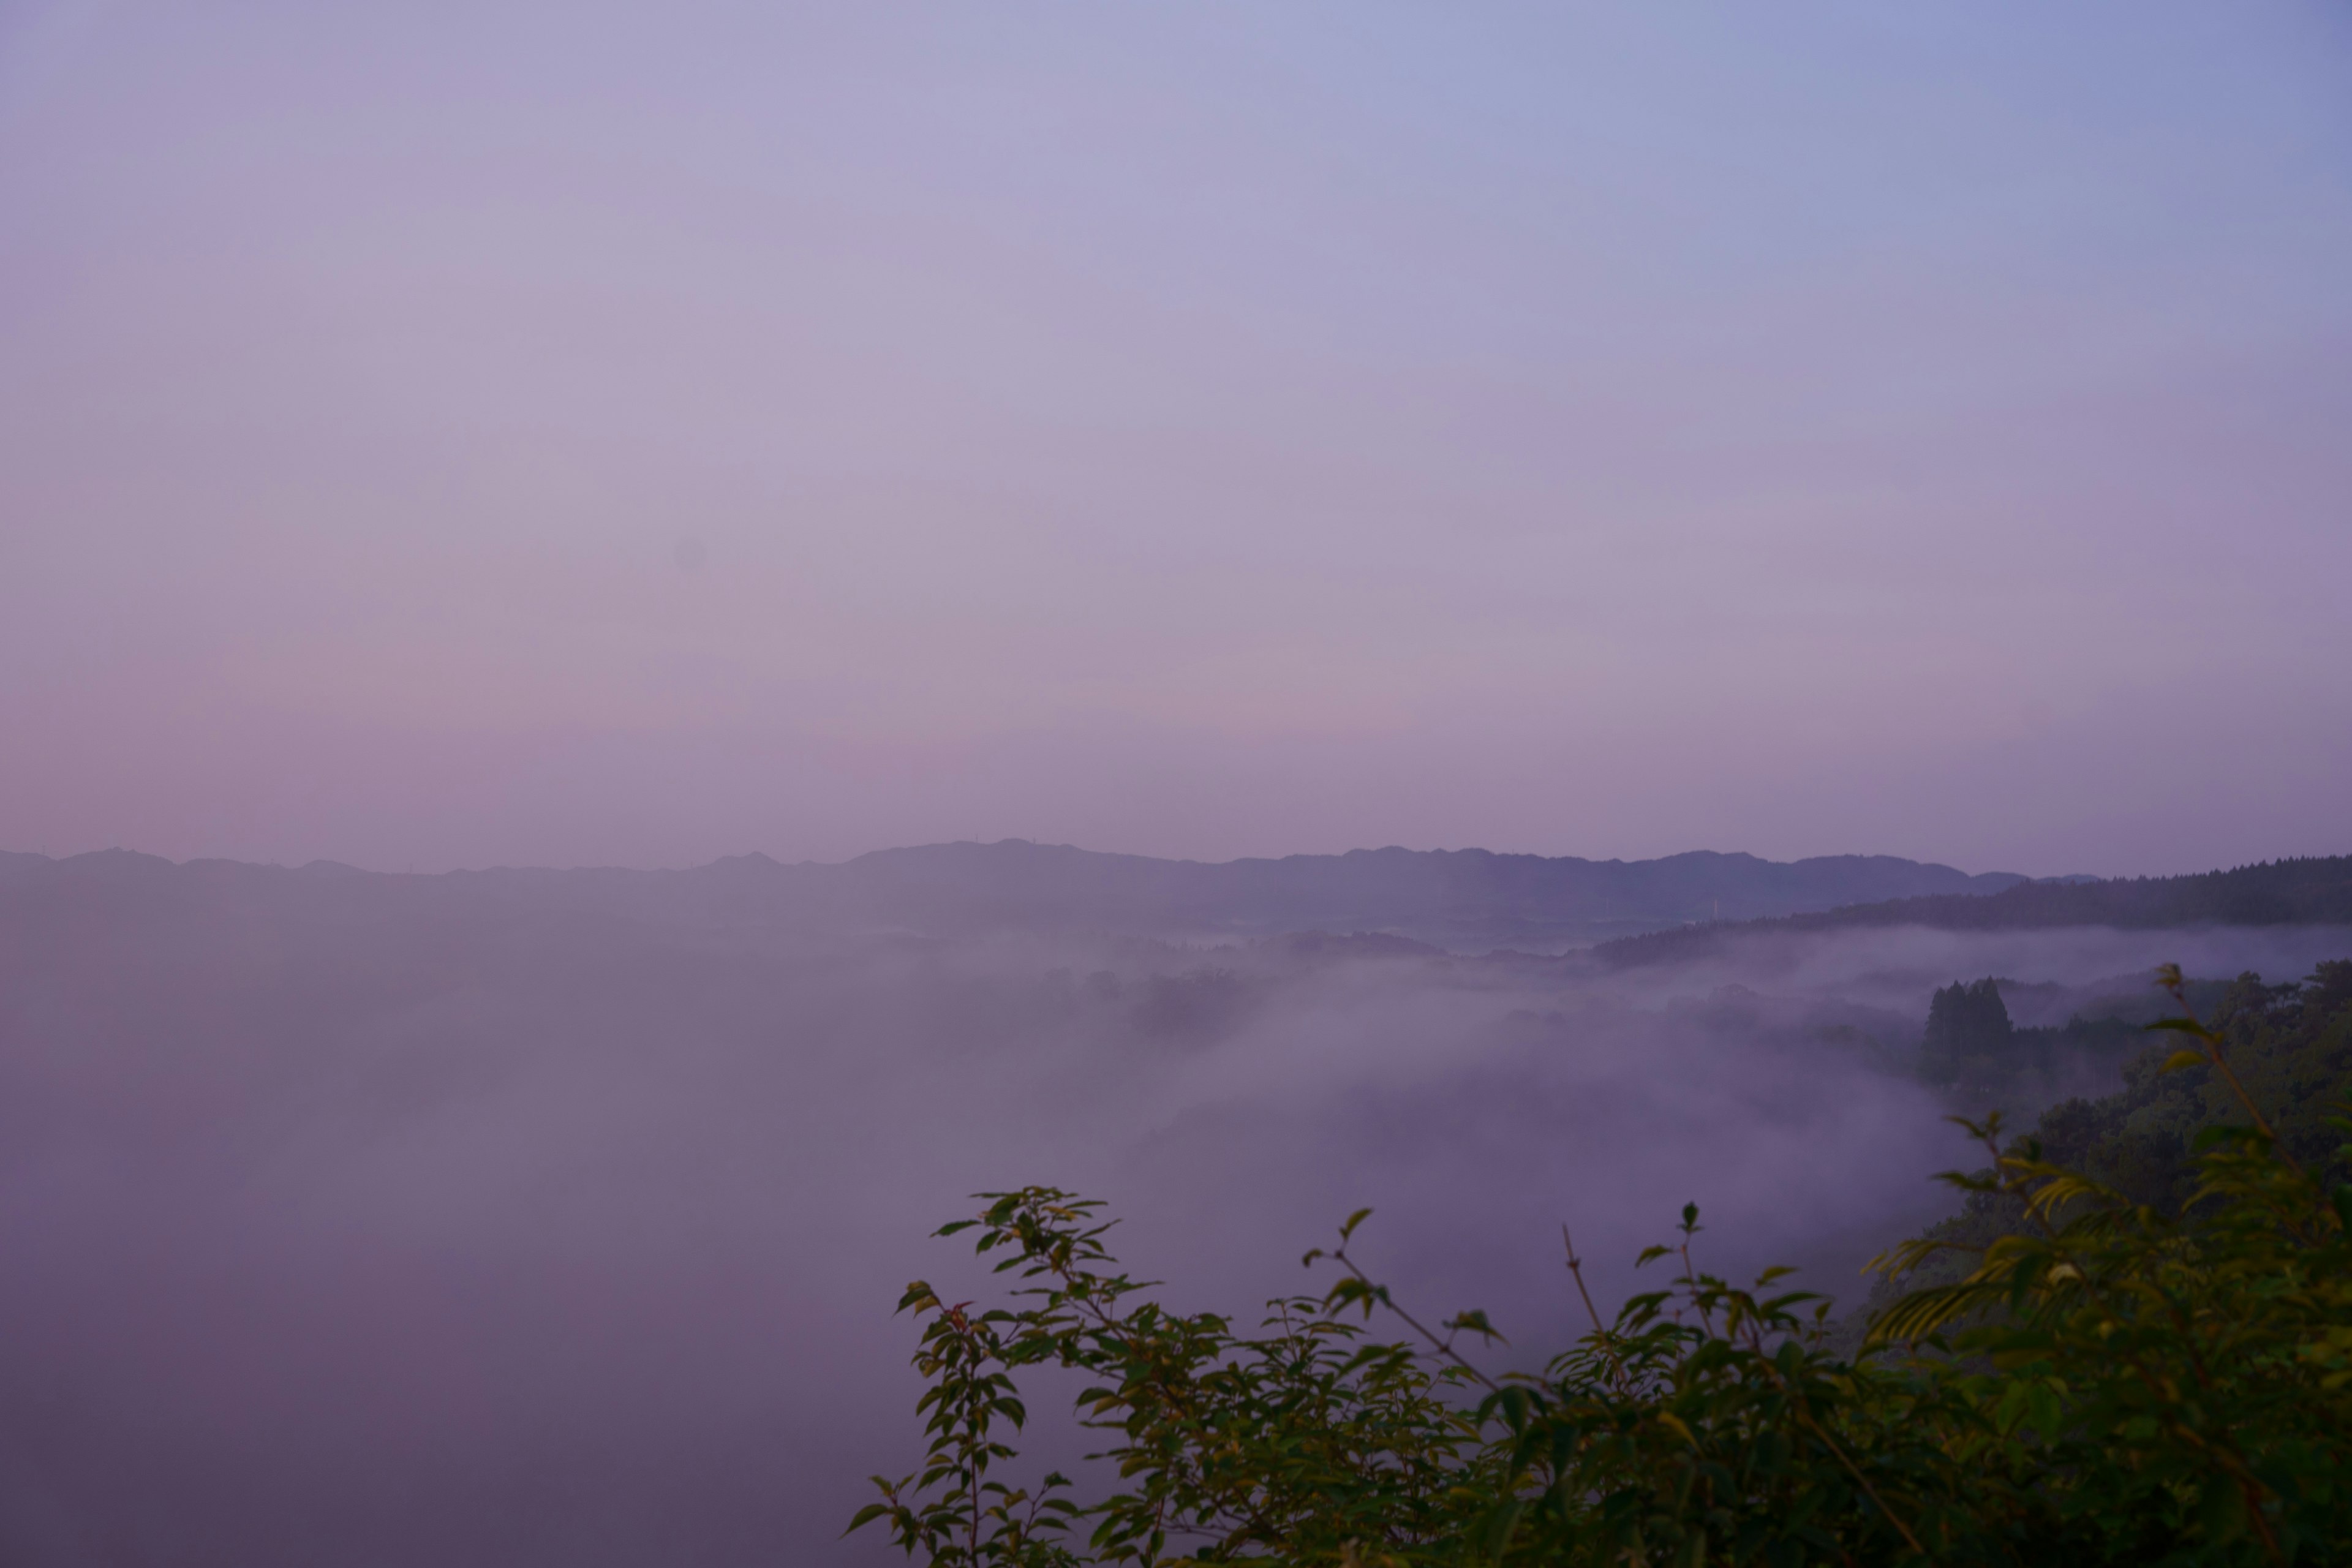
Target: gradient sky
(440,435)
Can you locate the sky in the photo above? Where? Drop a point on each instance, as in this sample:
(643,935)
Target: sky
(438,435)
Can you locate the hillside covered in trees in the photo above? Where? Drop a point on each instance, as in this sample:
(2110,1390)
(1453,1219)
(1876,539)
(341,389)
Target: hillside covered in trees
(2289,1045)
(2307,890)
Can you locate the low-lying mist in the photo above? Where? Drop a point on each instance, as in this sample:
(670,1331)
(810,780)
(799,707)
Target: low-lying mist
(570,1239)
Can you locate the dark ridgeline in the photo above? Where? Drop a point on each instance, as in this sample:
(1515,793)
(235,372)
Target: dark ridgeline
(1414,892)
(2308,890)
(1468,899)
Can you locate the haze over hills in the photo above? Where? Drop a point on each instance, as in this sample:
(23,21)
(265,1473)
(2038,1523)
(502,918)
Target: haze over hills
(379,1190)
(2307,890)
(1469,899)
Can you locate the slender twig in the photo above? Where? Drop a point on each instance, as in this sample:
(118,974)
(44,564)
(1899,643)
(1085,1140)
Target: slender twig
(1575,1268)
(1445,1347)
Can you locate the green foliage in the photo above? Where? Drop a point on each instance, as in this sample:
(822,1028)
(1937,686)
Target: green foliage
(2109,1382)
(2291,1047)
(1306,1431)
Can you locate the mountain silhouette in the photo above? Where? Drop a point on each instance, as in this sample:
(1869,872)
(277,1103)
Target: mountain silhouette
(1465,900)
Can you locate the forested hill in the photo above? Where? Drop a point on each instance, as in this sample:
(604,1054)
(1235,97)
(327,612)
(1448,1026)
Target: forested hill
(2310,891)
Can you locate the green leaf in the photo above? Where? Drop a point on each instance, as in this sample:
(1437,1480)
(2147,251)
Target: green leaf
(1474,1321)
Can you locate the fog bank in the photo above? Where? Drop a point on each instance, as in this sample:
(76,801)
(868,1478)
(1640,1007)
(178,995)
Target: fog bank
(340,1233)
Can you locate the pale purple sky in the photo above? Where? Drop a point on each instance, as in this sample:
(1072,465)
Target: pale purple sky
(454,434)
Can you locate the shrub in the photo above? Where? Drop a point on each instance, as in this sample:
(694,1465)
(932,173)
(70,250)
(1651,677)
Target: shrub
(2109,1382)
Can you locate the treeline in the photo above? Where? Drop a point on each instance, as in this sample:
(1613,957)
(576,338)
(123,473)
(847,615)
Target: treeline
(2144,1357)
(1974,1053)
(2309,890)
(2289,1045)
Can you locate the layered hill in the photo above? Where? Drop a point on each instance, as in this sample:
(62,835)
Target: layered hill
(1469,899)
(2309,890)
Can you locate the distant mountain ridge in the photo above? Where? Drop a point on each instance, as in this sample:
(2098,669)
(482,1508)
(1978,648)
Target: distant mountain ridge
(2306,891)
(1430,894)
(1464,900)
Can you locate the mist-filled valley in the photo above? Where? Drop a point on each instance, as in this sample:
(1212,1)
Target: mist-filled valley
(508,1219)
(641,646)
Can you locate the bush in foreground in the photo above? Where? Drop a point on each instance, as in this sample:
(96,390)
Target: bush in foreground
(2110,1384)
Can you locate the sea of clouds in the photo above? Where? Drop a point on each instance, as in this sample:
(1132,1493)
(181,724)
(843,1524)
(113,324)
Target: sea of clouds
(577,1244)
